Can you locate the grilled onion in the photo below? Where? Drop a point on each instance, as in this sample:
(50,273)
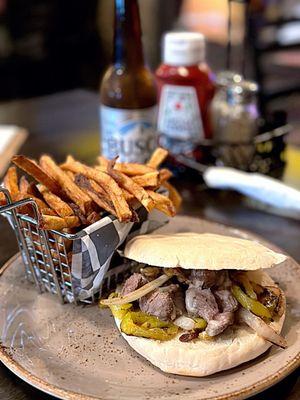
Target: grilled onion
(185,323)
(261,328)
(136,294)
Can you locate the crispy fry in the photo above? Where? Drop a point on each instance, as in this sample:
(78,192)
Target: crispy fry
(157,158)
(11,182)
(133,188)
(174,196)
(93,217)
(23,185)
(103,162)
(162,203)
(73,191)
(107,183)
(42,206)
(55,202)
(128,196)
(132,169)
(71,175)
(96,192)
(151,179)
(38,174)
(164,175)
(57,223)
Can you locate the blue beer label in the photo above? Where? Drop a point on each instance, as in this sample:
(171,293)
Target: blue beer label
(129,134)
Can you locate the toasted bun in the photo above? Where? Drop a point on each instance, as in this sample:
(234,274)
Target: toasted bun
(201,251)
(201,358)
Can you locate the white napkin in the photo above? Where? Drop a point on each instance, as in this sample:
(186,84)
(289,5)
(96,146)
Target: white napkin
(259,187)
(11,139)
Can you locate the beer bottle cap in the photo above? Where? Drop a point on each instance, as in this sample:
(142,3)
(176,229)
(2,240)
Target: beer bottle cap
(183,48)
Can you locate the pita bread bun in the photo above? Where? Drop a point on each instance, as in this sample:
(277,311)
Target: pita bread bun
(201,358)
(201,251)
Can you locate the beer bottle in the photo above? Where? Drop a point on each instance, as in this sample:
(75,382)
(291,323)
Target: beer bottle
(128,92)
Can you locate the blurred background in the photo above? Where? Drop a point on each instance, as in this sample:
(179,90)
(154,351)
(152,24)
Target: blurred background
(50,45)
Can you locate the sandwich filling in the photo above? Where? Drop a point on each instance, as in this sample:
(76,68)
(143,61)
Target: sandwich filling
(163,303)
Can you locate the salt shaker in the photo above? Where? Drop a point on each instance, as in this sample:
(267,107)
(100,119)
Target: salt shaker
(234,116)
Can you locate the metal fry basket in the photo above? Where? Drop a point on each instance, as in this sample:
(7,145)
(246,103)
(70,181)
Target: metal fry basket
(47,255)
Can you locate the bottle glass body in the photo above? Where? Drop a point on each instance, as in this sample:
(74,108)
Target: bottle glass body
(128,93)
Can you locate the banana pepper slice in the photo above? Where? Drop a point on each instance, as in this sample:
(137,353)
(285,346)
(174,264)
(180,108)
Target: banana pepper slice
(243,279)
(250,304)
(140,324)
(200,323)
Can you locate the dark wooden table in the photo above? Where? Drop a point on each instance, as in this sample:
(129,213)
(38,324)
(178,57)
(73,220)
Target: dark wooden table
(67,123)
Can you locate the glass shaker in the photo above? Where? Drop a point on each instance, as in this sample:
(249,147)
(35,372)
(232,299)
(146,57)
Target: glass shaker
(234,116)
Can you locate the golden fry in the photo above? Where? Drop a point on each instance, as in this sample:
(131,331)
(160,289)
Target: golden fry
(57,223)
(37,173)
(103,162)
(23,185)
(11,182)
(107,183)
(174,195)
(133,188)
(96,193)
(132,169)
(164,175)
(162,203)
(73,191)
(151,179)
(157,158)
(55,202)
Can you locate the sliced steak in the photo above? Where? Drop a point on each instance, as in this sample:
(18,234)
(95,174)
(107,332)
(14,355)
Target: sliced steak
(159,304)
(203,278)
(201,303)
(135,281)
(177,296)
(219,323)
(225,300)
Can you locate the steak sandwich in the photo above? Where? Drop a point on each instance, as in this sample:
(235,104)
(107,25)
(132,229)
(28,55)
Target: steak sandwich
(197,304)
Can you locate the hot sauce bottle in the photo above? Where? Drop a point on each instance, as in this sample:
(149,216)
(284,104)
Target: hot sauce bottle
(186,89)
(128,96)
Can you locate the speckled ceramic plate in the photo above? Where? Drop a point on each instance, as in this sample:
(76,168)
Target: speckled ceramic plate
(77,353)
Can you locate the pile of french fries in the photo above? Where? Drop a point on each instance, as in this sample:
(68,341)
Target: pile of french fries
(73,195)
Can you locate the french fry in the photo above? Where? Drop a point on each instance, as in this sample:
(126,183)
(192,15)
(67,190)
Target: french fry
(162,203)
(73,191)
(71,175)
(11,182)
(27,208)
(93,217)
(174,196)
(151,179)
(164,175)
(96,192)
(133,188)
(72,221)
(38,174)
(23,185)
(157,158)
(132,169)
(55,202)
(103,162)
(57,223)
(128,196)
(107,183)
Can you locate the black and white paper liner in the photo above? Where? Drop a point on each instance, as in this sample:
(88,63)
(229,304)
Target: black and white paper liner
(93,251)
